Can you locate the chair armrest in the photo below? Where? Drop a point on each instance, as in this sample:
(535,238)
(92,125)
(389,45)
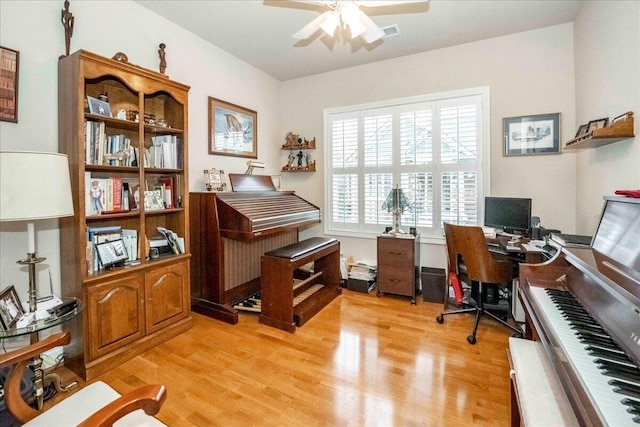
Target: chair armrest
(148,398)
(28,352)
(18,360)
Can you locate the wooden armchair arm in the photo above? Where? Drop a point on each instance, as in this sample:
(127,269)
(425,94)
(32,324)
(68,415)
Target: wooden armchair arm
(28,352)
(148,398)
(18,360)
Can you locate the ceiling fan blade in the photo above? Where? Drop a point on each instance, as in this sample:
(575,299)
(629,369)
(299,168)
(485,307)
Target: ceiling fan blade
(313,26)
(372,31)
(374,3)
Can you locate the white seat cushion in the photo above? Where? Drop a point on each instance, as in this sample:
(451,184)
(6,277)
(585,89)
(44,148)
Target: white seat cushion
(541,398)
(84,403)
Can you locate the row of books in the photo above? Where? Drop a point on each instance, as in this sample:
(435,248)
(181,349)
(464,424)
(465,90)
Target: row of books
(127,240)
(113,233)
(163,152)
(116,194)
(117,150)
(120,194)
(103,149)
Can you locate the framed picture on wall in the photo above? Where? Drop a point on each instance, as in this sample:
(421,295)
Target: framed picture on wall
(538,134)
(233,130)
(9,65)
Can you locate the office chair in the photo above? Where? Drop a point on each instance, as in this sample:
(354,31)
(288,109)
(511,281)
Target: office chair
(96,405)
(469,258)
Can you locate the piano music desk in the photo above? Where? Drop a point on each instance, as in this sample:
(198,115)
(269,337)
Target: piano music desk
(278,268)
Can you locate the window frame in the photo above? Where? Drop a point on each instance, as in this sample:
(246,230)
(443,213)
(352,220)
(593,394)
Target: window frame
(483,153)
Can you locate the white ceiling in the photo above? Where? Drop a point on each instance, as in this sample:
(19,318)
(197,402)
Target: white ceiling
(259,32)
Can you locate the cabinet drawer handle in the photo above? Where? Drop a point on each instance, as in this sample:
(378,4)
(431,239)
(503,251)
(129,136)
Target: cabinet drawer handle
(394,280)
(395,253)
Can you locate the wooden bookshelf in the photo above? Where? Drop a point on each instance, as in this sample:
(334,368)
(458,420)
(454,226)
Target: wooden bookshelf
(133,307)
(617,131)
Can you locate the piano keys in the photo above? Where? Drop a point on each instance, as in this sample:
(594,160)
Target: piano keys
(230,231)
(584,307)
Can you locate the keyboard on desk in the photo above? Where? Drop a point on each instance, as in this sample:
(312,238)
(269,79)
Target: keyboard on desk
(498,250)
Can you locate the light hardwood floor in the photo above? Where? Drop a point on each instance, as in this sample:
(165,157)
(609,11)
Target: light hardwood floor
(362,360)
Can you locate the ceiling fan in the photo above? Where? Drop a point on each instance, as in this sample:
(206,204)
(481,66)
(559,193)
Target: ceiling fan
(349,14)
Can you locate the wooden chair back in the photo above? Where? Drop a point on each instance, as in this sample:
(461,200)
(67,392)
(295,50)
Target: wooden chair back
(467,244)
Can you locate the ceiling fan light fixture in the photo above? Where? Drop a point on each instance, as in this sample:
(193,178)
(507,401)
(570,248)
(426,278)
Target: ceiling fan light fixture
(350,15)
(331,23)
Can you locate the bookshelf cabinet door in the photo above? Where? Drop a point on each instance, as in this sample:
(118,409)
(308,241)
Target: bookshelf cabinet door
(116,314)
(167,291)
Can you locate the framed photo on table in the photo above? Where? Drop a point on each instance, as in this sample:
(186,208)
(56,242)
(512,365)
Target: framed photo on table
(538,134)
(233,130)
(10,308)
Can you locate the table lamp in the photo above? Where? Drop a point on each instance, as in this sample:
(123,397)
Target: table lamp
(396,203)
(34,186)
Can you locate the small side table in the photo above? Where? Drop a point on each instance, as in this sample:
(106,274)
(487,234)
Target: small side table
(399,265)
(33,329)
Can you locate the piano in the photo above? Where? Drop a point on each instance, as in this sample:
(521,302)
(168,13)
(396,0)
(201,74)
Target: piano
(229,233)
(583,306)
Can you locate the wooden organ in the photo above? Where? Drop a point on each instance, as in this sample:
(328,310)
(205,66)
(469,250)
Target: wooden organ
(583,306)
(229,233)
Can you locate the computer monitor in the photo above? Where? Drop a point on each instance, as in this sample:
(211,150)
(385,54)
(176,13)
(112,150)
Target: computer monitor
(508,214)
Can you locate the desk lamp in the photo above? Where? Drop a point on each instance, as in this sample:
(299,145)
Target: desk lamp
(34,186)
(396,202)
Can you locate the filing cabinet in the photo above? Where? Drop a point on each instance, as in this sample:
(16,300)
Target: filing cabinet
(399,265)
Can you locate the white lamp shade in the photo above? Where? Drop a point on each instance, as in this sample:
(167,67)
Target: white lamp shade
(34,186)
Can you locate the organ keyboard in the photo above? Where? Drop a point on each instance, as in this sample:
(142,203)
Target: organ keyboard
(230,231)
(584,307)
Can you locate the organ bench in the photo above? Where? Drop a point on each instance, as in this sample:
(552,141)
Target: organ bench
(290,297)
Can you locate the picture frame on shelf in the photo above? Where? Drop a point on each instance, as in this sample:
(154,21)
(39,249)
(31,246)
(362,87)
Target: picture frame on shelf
(153,200)
(9,68)
(582,129)
(621,117)
(214,180)
(233,130)
(99,107)
(112,253)
(535,134)
(10,308)
(597,124)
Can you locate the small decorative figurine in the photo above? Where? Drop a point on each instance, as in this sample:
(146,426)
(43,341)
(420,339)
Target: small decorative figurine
(291,139)
(292,159)
(67,22)
(307,160)
(120,57)
(300,155)
(163,61)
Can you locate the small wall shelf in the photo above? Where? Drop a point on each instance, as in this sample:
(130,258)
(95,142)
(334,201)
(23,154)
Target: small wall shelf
(310,168)
(302,148)
(617,131)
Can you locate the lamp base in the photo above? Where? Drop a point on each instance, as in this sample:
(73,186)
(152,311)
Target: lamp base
(31,261)
(397,231)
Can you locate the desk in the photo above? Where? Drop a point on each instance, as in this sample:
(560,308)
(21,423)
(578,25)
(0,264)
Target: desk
(517,255)
(33,329)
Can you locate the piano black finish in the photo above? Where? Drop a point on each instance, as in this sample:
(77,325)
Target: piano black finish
(229,233)
(605,280)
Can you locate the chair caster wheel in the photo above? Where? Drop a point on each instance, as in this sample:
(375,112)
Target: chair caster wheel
(471,339)
(440,319)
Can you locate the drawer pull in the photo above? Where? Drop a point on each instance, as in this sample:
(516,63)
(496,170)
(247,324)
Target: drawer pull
(395,253)
(395,280)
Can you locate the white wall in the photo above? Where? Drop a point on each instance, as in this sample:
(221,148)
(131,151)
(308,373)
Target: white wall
(107,27)
(527,73)
(607,52)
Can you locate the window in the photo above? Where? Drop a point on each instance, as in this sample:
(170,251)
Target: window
(431,146)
